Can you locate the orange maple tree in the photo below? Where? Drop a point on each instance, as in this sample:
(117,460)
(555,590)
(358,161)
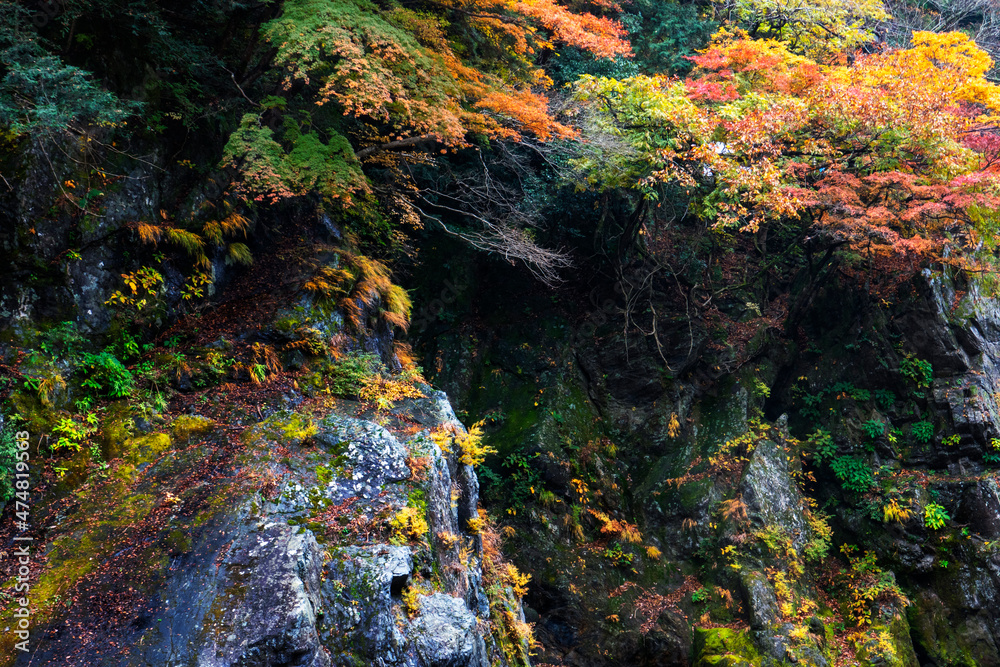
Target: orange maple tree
(891,155)
(397,79)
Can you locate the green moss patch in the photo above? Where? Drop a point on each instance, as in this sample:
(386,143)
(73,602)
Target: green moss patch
(186,427)
(723,647)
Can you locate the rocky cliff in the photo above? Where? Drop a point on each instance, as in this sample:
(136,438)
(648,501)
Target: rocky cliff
(263,524)
(828,498)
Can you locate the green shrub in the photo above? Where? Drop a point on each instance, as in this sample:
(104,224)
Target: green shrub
(922,431)
(873,428)
(8,458)
(72,433)
(64,338)
(884,398)
(348,375)
(918,370)
(935,517)
(822,445)
(853,473)
(104,373)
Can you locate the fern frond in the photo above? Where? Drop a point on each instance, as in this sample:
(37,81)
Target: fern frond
(397,301)
(396,320)
(212,231)
(191,242)
(234,223)
(239,253)
(352,312)
(149,233)
(366,291)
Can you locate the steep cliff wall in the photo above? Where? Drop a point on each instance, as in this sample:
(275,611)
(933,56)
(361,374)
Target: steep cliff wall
(309,538)
(831,497)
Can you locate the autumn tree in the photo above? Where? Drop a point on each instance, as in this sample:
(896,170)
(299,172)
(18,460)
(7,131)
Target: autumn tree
(366,88)
(819,28)
(884,160)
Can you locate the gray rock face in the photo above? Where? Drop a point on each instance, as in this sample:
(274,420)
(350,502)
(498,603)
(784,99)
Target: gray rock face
(770,494)
(248,585)
(445,633)
(265,611)
(376,457)
(360,597)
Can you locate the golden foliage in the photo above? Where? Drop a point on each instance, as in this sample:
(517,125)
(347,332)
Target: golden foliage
(734,510)
(411,601)
(894,512)
(476,525)
(447,540)
(418,465)
(674,426)
(410,524)
(358,283)
(619,528)
(471,445)
(149,233)
(514,578)
(383,391)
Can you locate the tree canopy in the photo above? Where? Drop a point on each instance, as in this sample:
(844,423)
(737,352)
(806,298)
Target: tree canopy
(879,154)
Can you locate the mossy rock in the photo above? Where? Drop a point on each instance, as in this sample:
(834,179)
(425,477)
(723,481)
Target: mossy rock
(723,647)
(144,449)
(186,426)
(289,428)
(892,648)
(38,418)
(116,429)
(934,632)
(178,542)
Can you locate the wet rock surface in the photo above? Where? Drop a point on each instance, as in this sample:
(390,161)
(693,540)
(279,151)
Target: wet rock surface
(255,579)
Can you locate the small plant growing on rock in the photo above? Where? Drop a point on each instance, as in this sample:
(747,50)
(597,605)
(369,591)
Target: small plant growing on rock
(952,439)
(853,473)
(517,580)
(869,588)
(409,524)
(817,548)
(106,374)
(72,433)
(418,465)
(617,555)
(918,370)
(993,456)
(884,398)
(935,516)
(411,601)
(141,294)
(822,445)
(623,530)
(674,426)
(474,450)
(893,512)
(383,392)
(447,540)
(873,428)
(922,431)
